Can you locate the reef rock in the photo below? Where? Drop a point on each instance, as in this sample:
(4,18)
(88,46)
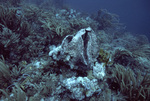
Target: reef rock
(79,51)
(99,70)
(81,87)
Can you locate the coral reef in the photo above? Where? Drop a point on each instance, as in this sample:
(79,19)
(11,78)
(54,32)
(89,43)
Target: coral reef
(50,52)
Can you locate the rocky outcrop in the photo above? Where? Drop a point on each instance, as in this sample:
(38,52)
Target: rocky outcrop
(79,51)
(81,87)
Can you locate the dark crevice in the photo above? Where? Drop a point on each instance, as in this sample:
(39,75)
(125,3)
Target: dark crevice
(85,38)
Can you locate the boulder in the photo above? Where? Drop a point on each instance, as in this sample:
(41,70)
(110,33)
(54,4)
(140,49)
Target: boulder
(79,51)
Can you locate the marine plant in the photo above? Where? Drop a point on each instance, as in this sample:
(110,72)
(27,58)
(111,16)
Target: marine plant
(11,3)
(32,13)
(56,26)
(142,51)
(5,94)
(80,22)
(5,77)
(104,57)
(14,32)
(123,57)
(135,86)
(7,81)
(12,19)
(8,38)
(60,24)
(107,20)
(19,94)
(7,16)
(10,42)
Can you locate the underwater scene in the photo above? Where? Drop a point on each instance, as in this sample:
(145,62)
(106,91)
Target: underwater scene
(50,51)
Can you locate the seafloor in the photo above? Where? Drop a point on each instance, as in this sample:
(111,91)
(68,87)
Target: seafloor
(50,52)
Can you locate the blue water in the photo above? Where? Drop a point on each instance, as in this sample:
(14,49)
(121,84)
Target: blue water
(135,14)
